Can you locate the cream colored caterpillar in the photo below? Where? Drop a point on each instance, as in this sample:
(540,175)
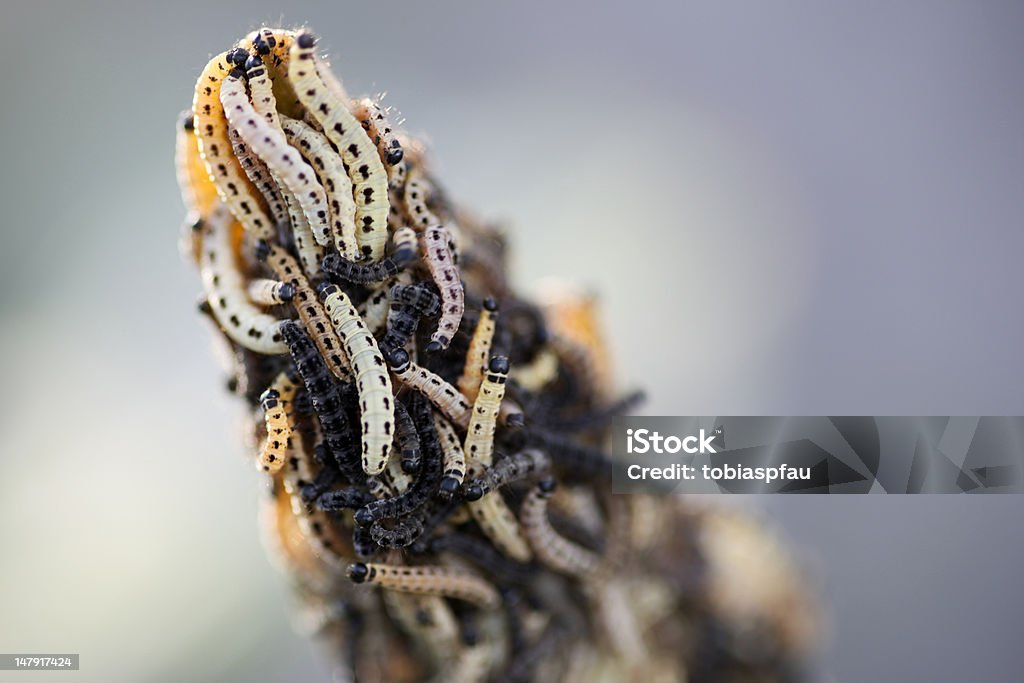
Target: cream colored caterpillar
(215,147)
(552,549)
(479,350)
(316,148)
(454,457)
(443,395)
(376,124)
(270,292)
(499,524)
(479,445)
(438,254)
(448,582)
(372,379)
(369,179)
(286,163)
(225,292)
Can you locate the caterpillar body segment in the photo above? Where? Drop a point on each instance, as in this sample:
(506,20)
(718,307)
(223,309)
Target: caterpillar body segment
(223,168)
(339,268)
(417,297)
(428,580)
(539,372)
(259,175)
(454,457)
(371,376)
(312,314)
(261,91)
(198,192)
(279,428)
(328,540)
(276,403)
(369,179)
(407,439)
(374,311)
(443,395)
(326,399)
(376,124)
(499,524)
(416,209)
(228,301)
(525,464)
(270,292)
(479,445)
(316,149)
(551,548)
(270,145)
(197,189)
(437,252)
(479,350)
(402,324)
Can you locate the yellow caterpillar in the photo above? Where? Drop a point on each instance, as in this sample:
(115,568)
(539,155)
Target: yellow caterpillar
(479,350)
(215,147)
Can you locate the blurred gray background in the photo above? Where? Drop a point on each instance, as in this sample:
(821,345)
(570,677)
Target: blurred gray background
(787,208)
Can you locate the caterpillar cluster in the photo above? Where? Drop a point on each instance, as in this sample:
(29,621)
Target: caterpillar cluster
(434,443)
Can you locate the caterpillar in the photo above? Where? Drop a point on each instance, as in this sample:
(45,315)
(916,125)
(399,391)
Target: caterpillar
(437,253)
(229,304)
(479,444)
(329,543)
(408,303)
(416,208)
(308,306)
(454,457)
(275,402)
(376,124)
(317,151)
(286,164)
(374,311)
(443,395)
(369,180)
(417,297)
(407,439)
(259,175)
(428,580)
(499,524)
(527,463)
(349,498)
(422,489)
(270,292)
(326,399)
(198,192)
(479,350)
(551,548)
(338,267)
(215,148)
(371,376)
(542,370)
